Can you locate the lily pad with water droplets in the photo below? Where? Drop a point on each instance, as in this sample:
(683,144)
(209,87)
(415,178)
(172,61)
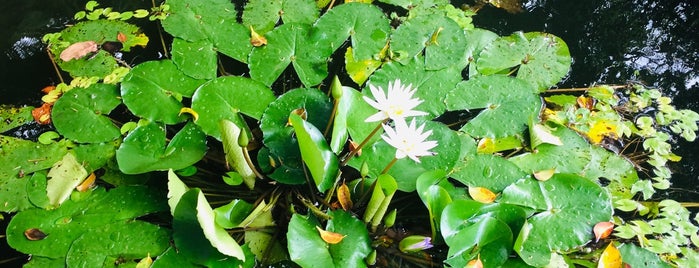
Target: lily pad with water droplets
(81,114)
(157,82)
(211,21)
(288,44)
(567,205)
(145,149)
(508,105)
(264,15)
(225,97)
(486,170)
(543,58)
(442,40)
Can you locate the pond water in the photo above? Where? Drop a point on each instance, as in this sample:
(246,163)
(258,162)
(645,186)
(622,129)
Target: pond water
(611,41)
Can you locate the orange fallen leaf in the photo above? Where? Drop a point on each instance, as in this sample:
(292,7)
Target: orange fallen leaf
(48,89)
(78,50)
(481,194)
(330,237)
(343,196)
(475,263)
(121,37)
(87,183)
(42,115)
(544,175)
(602,230)
(256,39)
(610,258)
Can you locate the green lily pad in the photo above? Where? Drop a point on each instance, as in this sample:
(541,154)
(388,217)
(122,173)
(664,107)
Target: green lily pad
(197,236)
(509,105)
(101,63)
(81,114)
(355,110)
(12,117)
(439,36)
(307,248)
(264,15)
(225,97)
(472,229)
(432,86)
(101,213)
(366,25)
(315,152)
(434,191)
(278,136)
(94,156)
(543,58)
(195,58)
(568,207)
(211,20)
(287,44)
(405,170)
(158,82)
(636,256)
(145,149)
(130,241)
(477,40)
(19,158)
(488,171)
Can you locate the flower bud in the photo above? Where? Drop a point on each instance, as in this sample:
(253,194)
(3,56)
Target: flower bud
(415,243)
(336,88)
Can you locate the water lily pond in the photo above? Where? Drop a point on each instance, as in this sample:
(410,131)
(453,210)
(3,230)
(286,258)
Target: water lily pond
(362,134)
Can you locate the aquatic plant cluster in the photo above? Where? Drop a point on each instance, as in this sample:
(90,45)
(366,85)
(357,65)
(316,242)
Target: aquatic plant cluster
(396,100)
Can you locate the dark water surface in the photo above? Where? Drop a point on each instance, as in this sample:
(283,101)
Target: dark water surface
(612,42)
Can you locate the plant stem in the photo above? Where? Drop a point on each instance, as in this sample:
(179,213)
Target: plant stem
(364,142)
(332,118)
(579,89)
(385,170)
(313,208)
(252,166)
(53,62)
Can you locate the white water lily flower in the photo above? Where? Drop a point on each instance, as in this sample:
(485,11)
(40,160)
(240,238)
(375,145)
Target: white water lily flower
(397,103)
(408,140)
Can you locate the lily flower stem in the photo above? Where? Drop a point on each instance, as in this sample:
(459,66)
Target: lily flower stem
(332,118)
(364,142)
(313,208)
(251,165)
(388,167)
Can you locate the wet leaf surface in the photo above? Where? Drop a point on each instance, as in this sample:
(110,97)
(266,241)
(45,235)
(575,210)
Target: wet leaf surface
(81,114)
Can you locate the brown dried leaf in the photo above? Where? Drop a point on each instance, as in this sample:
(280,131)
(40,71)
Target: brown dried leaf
(343,196)
(78,50)
(353,146)
(34,234)
(330,237)
(481,194)
(602,230)
(121,37)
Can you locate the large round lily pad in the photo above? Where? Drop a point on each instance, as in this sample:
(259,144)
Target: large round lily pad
(543,58)
(567,206)
(224,97)
(508,105)
(81,114)
(145,149)
(264,15)
(158,82)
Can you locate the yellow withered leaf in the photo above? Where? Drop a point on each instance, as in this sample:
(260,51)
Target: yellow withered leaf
(187,110)
(256,39)
(343,196)
(330,237)
(87,183)
(610,258)
(544,175)
(481,194)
